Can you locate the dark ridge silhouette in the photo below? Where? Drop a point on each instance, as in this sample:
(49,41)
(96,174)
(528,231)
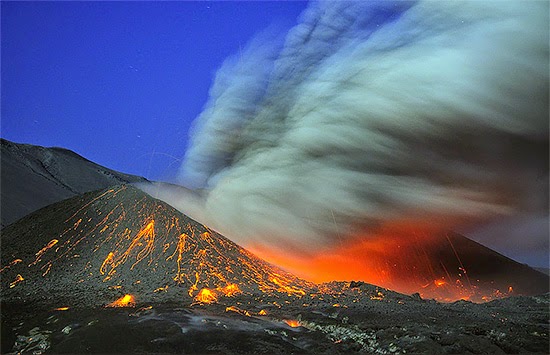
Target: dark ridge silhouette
(33,177)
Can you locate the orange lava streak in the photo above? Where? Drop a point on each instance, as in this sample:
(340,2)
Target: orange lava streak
(43,250)
(61,309)
(288,289)
(124,301)
(17,280)
(161,289)
(180,249)
(14,262)
(108,261)
(244,312)
(147,235)
(194,286)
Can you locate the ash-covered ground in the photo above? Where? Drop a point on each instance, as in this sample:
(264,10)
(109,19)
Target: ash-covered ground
(344,318)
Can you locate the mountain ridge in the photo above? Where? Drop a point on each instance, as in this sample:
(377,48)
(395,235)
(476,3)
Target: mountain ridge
(33,177)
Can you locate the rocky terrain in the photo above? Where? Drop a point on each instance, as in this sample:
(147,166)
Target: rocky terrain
(117,271)
(342,318)
(33,177)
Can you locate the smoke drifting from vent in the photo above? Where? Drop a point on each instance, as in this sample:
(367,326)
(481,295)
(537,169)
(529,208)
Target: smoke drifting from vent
(372,114)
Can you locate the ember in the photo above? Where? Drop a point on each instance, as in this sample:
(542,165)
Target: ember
(124,301)
(292,323)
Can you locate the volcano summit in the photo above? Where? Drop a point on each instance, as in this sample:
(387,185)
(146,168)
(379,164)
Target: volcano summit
(95,247)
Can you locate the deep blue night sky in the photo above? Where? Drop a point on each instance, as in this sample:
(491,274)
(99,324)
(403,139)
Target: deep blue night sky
(120,82)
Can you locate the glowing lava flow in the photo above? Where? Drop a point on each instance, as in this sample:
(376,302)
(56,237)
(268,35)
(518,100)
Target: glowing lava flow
(406,261)
(122,240)
(43,250)
(14,262)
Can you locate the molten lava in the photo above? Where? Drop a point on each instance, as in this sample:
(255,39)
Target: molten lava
(124,301)
(17,280)
(123,239)
(436,265)
(14,262)
(206,296)
(292,323)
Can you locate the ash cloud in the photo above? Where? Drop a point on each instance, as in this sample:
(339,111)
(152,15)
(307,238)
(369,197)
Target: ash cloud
(374,113)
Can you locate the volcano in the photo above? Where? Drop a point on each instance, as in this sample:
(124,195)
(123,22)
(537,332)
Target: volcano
(117,270)
(445,266)
(34,177)
(94,248)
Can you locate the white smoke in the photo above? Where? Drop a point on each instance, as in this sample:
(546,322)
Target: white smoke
(433,112)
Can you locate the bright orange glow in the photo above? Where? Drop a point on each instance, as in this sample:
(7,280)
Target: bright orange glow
(61,309)
(291,290)
(17,280)
(229,290)
(292,323)
(206,296)
(14,262)
(403,259)
(262,312)
(124,301)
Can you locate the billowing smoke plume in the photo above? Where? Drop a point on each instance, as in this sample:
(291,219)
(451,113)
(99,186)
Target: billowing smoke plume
(376,113)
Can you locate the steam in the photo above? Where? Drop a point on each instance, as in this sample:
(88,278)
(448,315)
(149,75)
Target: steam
(374,113)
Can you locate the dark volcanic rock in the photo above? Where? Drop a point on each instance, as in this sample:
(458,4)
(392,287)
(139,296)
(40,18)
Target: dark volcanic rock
(33,177)
(61,264)
(93,248)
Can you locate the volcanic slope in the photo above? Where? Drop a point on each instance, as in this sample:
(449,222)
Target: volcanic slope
(445,266)
(93,248)
(34,177)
